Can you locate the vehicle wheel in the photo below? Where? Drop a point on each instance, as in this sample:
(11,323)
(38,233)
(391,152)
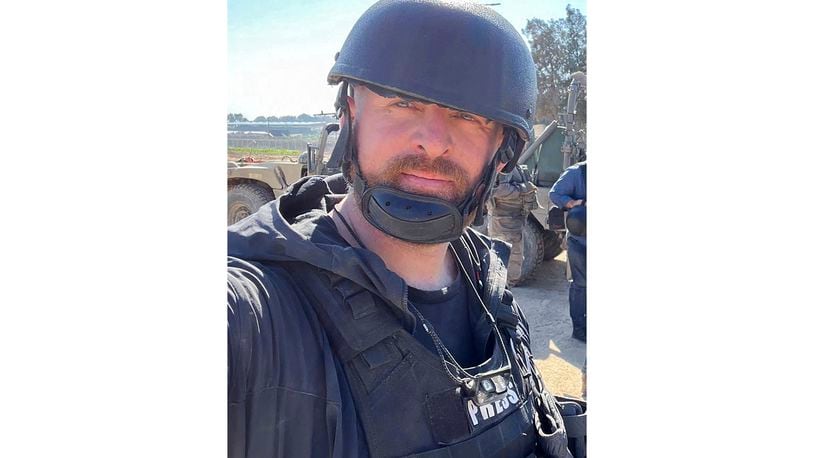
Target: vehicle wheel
(538,245)
(245,199)
(552,244)
(533,248)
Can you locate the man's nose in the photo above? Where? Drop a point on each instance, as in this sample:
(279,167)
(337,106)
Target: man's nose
(433,135)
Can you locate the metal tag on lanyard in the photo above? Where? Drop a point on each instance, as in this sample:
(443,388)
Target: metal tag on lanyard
(488,388)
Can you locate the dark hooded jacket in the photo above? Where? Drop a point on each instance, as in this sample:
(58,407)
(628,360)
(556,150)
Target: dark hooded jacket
(288,391)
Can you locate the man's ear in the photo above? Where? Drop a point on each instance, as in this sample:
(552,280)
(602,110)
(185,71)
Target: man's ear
(351,114)
(501,137)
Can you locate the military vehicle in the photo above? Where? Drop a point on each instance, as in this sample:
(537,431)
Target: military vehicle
(251,184)
(561,144)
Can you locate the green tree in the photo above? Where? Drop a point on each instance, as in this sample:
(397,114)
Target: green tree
(559,48)
(236,117)
(260,119)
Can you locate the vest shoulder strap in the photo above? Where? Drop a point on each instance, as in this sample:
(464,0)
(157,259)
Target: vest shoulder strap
(349,313)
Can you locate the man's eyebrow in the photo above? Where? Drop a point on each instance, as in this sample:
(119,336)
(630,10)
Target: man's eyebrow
(476,116)
(388,94)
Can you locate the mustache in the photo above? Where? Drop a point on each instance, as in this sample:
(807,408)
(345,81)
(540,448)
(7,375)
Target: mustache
(438,166)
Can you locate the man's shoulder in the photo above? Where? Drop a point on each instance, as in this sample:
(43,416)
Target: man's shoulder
(273,331)
(270,295)
(486,247)
(483,243)
(264,281)
(258,277)
(576,167)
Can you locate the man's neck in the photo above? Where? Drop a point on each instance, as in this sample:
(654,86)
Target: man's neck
(423,266)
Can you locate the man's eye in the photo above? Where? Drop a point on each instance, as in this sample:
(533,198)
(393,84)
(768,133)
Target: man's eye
(404,104)
(466,116)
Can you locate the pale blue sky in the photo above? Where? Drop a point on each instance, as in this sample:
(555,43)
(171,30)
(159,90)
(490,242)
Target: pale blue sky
(280,51)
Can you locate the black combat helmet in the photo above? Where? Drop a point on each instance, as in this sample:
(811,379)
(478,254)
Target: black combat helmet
(460,55)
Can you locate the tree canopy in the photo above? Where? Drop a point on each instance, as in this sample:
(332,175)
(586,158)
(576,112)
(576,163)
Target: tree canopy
(236,117)
(558,47)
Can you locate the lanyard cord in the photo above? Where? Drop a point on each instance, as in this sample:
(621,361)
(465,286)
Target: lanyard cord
(443,352)
(441,349)
(350,229)
(489,315)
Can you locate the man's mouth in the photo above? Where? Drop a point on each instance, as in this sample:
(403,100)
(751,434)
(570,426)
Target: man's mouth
(429,184)
(428,177)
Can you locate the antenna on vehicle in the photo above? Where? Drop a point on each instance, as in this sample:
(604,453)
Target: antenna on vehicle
(322,113)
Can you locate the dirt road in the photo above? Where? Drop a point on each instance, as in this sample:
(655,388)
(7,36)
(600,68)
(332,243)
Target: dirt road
(544,300)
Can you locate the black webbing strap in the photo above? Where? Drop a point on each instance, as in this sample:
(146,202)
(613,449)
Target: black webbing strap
(575,425)
(575,416)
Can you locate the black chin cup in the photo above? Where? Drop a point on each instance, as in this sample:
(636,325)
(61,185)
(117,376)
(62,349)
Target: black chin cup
(411,217)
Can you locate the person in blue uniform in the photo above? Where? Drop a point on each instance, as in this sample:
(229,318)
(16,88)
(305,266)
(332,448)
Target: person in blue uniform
(568,193)
(365,318)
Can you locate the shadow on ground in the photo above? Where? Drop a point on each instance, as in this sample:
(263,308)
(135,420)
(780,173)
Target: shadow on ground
(544,300)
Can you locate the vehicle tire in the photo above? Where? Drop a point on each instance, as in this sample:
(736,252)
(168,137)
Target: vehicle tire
(533,249)
(552,244)
(538,245)
(245,199)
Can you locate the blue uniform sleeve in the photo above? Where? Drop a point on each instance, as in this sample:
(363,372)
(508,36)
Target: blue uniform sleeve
(565,188)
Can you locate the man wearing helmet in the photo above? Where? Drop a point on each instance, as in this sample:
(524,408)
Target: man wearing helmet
(420,148)
(365,319)
(570,194)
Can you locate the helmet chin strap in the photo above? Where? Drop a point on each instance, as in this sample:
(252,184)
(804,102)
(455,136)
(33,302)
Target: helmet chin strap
(409,216)
(417,218)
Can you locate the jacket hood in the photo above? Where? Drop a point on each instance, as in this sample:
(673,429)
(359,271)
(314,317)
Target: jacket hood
(296,227)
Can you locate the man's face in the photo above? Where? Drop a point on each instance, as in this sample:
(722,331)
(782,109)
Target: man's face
(420,147)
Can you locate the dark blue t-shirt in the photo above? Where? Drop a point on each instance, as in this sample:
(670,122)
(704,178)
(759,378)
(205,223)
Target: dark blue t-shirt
(449,312)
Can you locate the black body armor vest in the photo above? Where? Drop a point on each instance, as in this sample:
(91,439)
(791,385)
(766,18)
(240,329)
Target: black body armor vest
(407,402)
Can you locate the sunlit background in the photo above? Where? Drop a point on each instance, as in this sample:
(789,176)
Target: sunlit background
(280,52)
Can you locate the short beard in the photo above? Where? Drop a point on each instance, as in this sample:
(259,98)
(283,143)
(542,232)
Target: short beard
(390,177)
(406,163)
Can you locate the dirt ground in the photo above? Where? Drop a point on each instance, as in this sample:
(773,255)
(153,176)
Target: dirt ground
(560,358)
